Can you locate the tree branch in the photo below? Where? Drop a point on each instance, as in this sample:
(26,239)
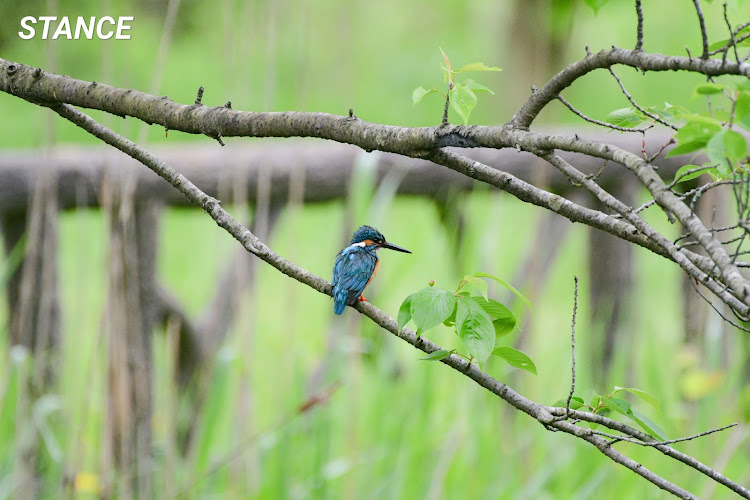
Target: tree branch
(252,244)
(47,89)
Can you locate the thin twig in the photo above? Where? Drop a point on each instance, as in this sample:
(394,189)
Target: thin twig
(704,34)
(637,106)
(639,31)
(599,122)
(668,441)
(573,343)
(732,42)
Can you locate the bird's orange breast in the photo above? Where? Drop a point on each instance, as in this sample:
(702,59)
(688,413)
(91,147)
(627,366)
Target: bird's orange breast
(375,271)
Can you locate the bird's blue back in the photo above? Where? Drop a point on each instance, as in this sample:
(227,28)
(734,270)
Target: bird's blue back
(351,272)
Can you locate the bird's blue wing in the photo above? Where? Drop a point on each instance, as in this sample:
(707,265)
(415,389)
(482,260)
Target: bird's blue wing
(351,272)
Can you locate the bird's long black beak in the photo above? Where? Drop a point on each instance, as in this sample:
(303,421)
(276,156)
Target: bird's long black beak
(391,246)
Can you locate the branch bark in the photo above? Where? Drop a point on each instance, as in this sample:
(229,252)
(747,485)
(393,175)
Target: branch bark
(726,282)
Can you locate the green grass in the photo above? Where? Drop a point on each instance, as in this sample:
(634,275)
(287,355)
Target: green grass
(396,427)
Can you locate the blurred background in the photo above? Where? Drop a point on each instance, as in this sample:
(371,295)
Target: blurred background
(143,351)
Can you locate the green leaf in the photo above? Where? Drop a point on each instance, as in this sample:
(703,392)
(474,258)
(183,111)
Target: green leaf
(506,320)
(647,424)
(480,285)
(686,168)
(451,321)
(641,394)
(463,100)
(709,88)
(475,329)
(685,148)
(503,327)
(619,405)
(595,399)
(735,145)
(624,117)
(516,358)
(446,60)
(575,402)
(596,4)
(477,87)
(742,110)
(431,306)
(437,355)
(419,93)
(404,312)
(716,151)
(477,66)
(723,43)
(506,285)
(694,135)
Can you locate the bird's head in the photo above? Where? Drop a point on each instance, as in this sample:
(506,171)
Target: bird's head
(369,236)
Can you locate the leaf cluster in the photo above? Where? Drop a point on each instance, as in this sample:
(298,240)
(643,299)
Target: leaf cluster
(462,94)
(478,320)
(612,404)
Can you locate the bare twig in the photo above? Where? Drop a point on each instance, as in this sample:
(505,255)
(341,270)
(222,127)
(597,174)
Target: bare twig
(668,441)
(599,122)
(704,34)
(637,106)
(639,31)
(573,344)
(732,42)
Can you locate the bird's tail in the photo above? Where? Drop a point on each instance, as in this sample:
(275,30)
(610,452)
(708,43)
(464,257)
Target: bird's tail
(339,300)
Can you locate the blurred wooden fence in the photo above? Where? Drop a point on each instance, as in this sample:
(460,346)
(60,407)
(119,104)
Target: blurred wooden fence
(37,185)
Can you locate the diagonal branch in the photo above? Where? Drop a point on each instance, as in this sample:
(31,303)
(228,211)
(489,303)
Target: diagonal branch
(252,244)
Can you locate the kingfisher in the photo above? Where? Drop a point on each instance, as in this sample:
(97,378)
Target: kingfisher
(356,266)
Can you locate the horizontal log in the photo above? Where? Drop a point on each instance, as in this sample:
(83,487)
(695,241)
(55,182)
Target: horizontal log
(327,167)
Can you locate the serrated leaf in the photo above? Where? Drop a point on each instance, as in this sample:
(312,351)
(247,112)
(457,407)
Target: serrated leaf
(596,4)
(495,308)
(475,329)
(516,358)
(505,320)
(641,394)
(648,425)
(437,355)
(506,285)
(709,88)
(687,177)
(477,87)
(619,405)
(624,117)
(463,100)
(480,285)
(430,307)
(477,66)
(404,312)
(419,94)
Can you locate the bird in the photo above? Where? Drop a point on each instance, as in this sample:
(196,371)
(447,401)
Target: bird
(356,266)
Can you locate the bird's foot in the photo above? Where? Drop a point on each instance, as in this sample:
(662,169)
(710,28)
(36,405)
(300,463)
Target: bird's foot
(361,299)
